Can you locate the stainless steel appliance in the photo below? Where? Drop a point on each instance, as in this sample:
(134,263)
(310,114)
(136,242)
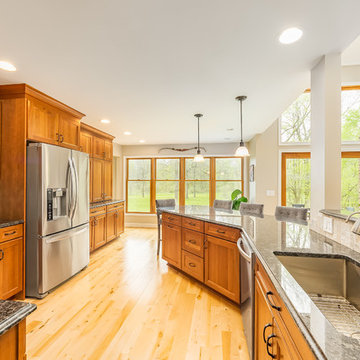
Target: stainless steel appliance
(247,290)
(57,230)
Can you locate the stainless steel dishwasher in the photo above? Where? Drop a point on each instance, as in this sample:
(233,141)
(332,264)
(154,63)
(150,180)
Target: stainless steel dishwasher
(247,290)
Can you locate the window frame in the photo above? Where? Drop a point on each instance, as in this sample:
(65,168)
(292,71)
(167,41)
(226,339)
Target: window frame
(182,180)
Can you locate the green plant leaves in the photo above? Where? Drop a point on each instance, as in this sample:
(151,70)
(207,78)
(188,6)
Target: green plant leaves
(237,198)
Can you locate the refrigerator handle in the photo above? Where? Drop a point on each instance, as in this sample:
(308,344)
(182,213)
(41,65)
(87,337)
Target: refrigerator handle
(76,181)
(57,238)
(72,189)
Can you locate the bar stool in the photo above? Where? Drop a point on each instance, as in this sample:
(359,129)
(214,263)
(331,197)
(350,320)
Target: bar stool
(222,204)
(252,209)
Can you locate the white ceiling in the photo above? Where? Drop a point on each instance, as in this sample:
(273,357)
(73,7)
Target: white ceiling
(148,66)
(351,55)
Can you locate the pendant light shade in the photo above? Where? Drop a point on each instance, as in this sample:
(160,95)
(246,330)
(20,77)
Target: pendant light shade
(198,157)
(242,149)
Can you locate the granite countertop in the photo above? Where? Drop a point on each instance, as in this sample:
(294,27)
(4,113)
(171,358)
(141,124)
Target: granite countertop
(268,236)
(341,214)
(104,203)
(12,312)
(7,223)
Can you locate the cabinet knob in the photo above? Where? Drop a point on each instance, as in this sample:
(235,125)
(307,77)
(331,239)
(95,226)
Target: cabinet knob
(192,264)
(191,241)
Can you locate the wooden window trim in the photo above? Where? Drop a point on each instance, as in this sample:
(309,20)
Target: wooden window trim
(182,181)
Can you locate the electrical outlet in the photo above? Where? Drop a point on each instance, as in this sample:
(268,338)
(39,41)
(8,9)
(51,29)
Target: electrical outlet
(328,224)
(270,193)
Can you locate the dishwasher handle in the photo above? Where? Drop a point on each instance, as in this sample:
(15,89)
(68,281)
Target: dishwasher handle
(242,251)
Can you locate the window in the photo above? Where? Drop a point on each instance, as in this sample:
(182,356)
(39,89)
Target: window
(350,114)
(295,179)
(228,177)
(138,185)
(167,179)
(350,181)
(189,182)
(295,122)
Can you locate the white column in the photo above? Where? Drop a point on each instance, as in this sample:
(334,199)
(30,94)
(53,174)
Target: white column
(326,134)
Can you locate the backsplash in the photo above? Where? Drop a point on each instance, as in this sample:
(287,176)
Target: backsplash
(338,230)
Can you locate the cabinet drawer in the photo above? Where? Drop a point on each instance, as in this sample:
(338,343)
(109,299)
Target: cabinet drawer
(11,232)
(172,219)
(115,206)
(98,211)
(193,242)
(192,265)
(223,232)
(192,224)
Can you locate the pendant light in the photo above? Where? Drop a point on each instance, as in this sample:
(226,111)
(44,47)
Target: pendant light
(241,150)
(198,157)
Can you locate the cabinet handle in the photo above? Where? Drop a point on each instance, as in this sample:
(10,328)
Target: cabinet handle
(170,226)
(1,254)
(191,241)
(192,265)
(10,233)
(61,138)
(265,327)
(192,224)
(57,137)
(104,154)
(205,247)
(170,218)
(220,231)
(270,345)
(270,303)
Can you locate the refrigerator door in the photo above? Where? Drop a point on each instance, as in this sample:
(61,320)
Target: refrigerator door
(80,214)
(62,255)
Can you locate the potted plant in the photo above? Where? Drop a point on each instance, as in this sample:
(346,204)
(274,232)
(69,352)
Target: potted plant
(237,198)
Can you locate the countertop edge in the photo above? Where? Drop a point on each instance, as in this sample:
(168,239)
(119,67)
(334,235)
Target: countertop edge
(17,317)
(105,203)
(8,223)
(337,214)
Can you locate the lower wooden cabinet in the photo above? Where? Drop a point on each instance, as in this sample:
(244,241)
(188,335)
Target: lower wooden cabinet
(120,219)
(13,343)
(222,267)
(192,265)
(171,244)
(11,267)
(110,225)
(99,236)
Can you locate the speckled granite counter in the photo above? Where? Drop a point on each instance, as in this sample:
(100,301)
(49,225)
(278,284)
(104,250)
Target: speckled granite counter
(340,214)
(6,223)
(268,237)
(104,203)
(12,312)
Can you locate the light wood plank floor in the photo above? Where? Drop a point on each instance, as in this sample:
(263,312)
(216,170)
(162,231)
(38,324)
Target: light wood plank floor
(127,304)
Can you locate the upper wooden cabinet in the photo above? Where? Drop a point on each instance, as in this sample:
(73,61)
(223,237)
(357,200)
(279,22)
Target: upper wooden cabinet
(85,142)
(98,148)
(108,149)
(69,131)
(107,175)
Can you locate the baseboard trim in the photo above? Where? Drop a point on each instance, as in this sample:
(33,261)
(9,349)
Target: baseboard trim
(140,225)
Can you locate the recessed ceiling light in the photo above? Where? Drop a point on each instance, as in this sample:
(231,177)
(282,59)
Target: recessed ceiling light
(230,129)
(290,35)
(227,139)
(105,121)
(127,133)
(141,141)
(4,65)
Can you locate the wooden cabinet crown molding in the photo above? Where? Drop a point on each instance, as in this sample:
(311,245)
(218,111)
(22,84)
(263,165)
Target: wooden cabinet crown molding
(95,131)
(24,90)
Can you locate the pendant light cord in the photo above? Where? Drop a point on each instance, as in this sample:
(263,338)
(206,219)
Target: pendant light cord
(198,134)
(240,115)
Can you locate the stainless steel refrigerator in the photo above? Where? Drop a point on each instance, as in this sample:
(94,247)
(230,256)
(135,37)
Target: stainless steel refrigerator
(57,228)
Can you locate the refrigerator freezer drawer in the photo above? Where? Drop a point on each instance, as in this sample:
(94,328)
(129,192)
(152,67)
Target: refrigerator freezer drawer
(63,255)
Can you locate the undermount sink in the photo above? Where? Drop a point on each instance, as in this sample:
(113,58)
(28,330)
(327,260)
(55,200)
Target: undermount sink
(333,284)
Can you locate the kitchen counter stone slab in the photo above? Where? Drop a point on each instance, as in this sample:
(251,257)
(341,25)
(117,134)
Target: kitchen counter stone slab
(105,203)
(7,223)
(268,237)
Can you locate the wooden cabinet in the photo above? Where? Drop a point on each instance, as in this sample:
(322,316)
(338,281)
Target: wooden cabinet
(92,234)
(120,220)
(13,342)
(49,124)
(98,148)
(222,267)
(110,225)
(43,122)
(69,131)
(99,236)
(11,267)
(107,180)
(171,244)
(108,150)
(85,142)
(193,241)
(192,265)
(97,180)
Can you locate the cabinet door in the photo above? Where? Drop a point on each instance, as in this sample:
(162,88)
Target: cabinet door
(85,142)
(99,231)
(119,221)
(43,122)
(98,147)
(69,130)
(107,180)
(171,244)
(10,267)
(263,324)
(97,180)
(110,225)
(108,148)
(92,232)
(222,267)
(280,347)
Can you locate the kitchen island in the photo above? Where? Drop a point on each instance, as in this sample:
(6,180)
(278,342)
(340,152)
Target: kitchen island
(303,330)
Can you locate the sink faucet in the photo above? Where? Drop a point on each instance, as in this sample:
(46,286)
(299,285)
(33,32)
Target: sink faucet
(356,227)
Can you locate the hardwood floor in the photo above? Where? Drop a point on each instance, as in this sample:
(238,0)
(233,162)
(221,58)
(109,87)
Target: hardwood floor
(127,304)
